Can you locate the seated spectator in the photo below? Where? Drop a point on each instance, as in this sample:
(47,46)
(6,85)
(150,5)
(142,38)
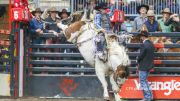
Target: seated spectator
(175,21)
(36,26)
(166,14)
(151,24)
(127,25)
(139,21)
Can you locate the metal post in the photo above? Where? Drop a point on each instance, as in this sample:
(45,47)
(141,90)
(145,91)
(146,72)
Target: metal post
(12,58)
(72,6)
(21,58)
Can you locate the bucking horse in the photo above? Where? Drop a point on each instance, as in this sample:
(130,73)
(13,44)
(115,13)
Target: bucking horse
(82,34)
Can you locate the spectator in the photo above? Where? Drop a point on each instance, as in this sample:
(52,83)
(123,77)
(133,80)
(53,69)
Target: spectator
(64,15)
(127,25)
(166,14)
(52,28)
(175,21)
(139,21)
(145,64)
(151,24)
(36,27)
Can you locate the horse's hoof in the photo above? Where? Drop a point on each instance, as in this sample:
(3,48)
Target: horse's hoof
(106,99)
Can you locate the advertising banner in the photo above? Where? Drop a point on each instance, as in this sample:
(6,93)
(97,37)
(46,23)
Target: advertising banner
(163,87)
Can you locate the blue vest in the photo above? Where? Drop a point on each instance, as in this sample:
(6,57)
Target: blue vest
(151,27)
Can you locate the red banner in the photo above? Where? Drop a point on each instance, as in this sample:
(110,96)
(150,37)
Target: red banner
(118,16)
(162,87)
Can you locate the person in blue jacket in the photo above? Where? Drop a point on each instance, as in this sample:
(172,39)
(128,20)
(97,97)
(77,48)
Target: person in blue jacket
(36,27)
(102,22)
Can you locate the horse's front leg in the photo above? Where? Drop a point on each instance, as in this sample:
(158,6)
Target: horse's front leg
(100,72)
(115,88)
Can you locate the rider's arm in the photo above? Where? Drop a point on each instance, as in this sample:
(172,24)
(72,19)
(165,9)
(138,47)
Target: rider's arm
(97,21)
(112,8)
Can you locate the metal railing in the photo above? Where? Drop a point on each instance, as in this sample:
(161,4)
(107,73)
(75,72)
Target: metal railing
(63,63)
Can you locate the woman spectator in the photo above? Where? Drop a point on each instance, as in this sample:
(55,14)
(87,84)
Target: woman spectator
(166,15)
(151,24)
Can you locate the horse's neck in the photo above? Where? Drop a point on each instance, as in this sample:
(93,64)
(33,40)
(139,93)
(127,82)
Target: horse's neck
(87,49)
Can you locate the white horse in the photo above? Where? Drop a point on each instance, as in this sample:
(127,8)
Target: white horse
(82,34)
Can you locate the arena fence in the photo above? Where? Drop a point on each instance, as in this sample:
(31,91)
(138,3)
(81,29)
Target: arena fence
(65,74)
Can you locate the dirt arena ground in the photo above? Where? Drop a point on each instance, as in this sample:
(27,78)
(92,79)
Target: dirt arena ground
(38,99)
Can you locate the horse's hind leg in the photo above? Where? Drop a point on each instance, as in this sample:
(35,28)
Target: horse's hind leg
(100,72)
(115,88)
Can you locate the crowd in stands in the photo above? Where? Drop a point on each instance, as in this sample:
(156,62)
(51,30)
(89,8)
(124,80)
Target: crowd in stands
(146,19)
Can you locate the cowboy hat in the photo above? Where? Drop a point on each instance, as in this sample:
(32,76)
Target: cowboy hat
(101,6)
(53,9)
(166,10)
(36,10)
(143,5)
(143,33)
(64,11)
(150,13)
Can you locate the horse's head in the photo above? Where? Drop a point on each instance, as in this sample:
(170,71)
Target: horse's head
(121,72)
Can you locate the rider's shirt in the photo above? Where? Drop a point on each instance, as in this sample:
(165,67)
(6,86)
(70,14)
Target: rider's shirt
(102,20)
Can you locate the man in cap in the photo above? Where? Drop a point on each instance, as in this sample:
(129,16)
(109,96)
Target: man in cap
(139,21)
(166,15)
(145,64)
(151,24)
(102,22)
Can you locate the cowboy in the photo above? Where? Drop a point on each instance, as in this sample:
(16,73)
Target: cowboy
(52,19)
(102,22)
(166,15)
(139,21)
(151,24)
(145,64)
(36,26)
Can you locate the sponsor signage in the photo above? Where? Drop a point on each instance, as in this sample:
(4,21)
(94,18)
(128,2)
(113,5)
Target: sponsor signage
(162,87)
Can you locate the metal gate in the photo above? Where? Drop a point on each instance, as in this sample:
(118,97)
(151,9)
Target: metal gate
(64,74)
